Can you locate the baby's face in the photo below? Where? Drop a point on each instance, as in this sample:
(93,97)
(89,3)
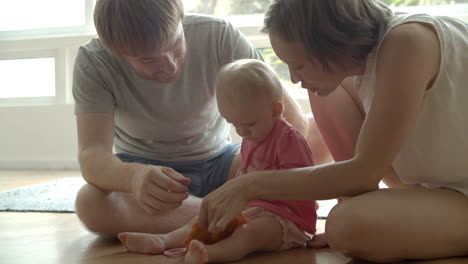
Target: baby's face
(253,119)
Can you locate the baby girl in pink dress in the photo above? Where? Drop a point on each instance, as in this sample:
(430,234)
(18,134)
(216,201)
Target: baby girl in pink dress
(249,96)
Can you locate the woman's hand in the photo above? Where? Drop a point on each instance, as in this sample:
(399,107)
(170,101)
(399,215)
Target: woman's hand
(225,203)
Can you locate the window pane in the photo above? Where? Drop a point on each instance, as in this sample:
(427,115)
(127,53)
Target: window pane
(27,78)
(423,2)
(38,14)
(226,7)
(244,7)
(282,71)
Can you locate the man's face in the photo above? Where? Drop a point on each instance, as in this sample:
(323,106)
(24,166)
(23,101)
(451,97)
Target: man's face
(164,65)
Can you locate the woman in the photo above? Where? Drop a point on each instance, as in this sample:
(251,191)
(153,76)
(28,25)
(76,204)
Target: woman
(388,93)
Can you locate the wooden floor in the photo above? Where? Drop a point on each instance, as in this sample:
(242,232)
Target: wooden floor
(59,238)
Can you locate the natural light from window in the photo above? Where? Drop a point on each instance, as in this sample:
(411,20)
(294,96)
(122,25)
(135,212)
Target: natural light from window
(27,78)
(39,14)
(25,23)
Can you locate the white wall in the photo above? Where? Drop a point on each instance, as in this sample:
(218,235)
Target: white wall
(38,137)
(41,133)
(45,136)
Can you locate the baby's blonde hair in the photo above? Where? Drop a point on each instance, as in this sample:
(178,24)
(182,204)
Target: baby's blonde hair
(248,78)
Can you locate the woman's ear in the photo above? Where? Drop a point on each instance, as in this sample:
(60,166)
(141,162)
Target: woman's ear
(277,109)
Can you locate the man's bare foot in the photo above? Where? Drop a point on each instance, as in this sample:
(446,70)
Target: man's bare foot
(318,241)
(143,243)
(197,253)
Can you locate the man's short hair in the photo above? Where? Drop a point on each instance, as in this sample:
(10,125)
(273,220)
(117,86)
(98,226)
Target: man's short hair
(128,27)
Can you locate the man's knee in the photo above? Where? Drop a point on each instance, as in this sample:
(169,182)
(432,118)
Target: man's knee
(88,209)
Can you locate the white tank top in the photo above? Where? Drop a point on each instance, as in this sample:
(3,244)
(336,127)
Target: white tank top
(436,153)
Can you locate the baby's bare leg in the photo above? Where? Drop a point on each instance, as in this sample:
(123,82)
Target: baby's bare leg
(261,234)
(155,243)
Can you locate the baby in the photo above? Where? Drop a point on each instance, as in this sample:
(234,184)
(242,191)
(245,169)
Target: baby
(249,97)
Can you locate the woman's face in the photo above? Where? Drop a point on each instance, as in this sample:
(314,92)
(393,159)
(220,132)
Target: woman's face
(304,69)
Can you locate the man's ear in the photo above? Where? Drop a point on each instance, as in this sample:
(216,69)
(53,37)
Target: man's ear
(277,109)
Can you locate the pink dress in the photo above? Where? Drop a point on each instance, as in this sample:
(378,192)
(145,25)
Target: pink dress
(285,148)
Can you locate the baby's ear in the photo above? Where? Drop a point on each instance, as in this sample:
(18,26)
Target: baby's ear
(277,109)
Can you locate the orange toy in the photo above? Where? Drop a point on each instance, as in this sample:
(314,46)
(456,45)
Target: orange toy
(208,238)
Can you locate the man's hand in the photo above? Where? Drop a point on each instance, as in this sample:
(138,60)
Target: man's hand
(158,189)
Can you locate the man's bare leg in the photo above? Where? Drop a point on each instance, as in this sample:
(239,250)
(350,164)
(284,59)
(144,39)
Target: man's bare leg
(109,213)
(261,234)
(393,224)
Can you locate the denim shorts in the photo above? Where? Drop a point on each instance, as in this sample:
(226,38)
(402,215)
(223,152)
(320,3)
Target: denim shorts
(206,175)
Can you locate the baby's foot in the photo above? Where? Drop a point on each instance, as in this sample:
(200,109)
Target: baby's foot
(143,243)
(197,253)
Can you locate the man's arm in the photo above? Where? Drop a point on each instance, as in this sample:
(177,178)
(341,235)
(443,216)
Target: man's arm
(156,188)
(98,165)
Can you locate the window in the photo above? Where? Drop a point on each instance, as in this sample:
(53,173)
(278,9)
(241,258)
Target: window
(423,2)
(48,32)
(227,7)
(454,8)
(27,78)
(248,15)
(281,69)
(34,14)
(38,41)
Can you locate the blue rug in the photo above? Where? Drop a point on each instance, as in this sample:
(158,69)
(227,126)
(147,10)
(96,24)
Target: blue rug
(55,196)
(59,197)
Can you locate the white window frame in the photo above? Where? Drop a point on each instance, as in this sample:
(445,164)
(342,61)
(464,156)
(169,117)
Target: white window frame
(62,44)
(55,32)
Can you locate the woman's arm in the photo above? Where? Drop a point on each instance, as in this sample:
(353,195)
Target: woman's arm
(404,72)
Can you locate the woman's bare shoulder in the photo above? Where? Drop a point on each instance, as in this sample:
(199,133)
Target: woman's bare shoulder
(416,35)
(412,43)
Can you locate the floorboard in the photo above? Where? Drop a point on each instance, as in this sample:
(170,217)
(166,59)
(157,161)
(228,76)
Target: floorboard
(59,238)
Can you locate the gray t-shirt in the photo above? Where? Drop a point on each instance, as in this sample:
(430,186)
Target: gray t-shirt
(170,122)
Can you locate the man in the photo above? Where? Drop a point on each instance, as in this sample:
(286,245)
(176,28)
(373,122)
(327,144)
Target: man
(146,89)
